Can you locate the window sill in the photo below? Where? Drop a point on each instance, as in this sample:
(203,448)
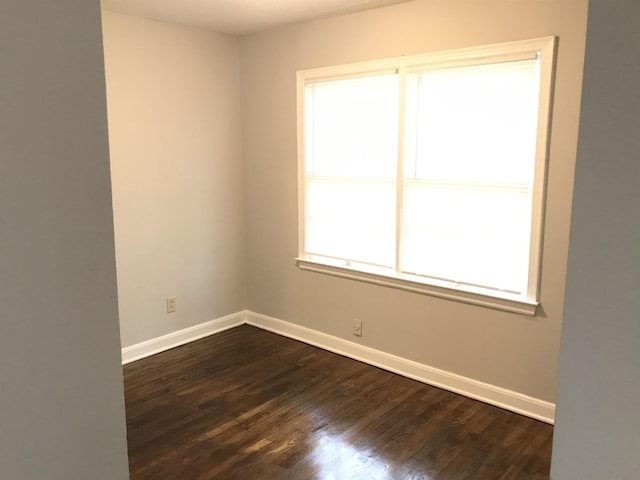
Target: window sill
(505,303)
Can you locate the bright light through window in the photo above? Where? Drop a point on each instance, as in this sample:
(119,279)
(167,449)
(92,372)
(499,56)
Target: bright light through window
(351,143)
(429,169)
(469,161)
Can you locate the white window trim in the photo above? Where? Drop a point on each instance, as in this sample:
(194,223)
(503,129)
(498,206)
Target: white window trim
(544,47)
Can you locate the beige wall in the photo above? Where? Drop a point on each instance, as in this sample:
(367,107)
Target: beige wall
(597,433)
(61,396)
(174,128)
(508,350)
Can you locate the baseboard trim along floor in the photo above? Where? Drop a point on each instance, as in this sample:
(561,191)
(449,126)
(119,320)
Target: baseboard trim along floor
(180,337)
(491,394)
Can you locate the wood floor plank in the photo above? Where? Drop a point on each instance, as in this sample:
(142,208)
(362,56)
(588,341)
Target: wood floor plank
(248,404)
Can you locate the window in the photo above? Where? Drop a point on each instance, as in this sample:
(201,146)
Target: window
(427,172)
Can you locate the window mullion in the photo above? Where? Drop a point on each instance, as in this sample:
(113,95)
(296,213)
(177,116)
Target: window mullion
(400,167)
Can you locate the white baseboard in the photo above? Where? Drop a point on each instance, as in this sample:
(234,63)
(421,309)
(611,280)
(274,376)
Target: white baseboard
(180,337)
(491,394)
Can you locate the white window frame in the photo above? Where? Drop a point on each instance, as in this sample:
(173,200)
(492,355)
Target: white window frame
(545,48)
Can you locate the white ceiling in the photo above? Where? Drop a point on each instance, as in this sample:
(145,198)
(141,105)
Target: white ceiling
(238,17)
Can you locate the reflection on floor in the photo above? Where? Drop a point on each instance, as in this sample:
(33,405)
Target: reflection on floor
(248,404)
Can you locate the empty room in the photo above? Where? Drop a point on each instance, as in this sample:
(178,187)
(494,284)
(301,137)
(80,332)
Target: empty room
(320,239)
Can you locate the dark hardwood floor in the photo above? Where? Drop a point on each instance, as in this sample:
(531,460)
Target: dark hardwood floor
(248,404)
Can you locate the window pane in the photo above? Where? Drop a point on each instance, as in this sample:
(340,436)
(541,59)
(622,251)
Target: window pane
(469,160)
(351,127)
(474,123)
(471,235)
(351,146)
(351,219)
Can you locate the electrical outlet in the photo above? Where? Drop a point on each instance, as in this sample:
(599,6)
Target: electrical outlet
(357,327)
(171,304)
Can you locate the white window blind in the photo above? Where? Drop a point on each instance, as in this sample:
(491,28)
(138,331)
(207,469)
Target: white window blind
(429,173)
(470,140)
(351,152)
